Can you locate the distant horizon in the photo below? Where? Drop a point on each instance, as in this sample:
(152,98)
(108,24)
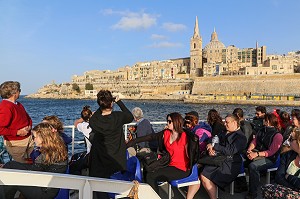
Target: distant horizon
(50,41)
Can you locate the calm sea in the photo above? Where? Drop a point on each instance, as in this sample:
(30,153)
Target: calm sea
(69,110)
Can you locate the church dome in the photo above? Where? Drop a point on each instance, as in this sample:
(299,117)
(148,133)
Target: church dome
(214,43)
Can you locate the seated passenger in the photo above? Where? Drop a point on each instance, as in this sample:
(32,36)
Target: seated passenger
(215,121)
(287,176)
(83,126)
(58,127)
(53,158)
(175,141)
(263,152)
(143,127)
(191,124)
(231,144)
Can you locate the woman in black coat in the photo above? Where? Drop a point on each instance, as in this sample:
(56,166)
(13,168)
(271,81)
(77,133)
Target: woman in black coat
(231,144)
(108,151)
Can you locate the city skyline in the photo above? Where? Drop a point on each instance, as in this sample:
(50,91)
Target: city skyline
(53,40)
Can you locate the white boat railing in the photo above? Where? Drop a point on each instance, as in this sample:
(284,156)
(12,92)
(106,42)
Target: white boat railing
(85,185)
(125,128)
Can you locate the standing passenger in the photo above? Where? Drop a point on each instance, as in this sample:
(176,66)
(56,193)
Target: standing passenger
(108,152)
(15,123)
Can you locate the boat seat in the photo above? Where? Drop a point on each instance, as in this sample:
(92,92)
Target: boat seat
(274,167)
(192,179)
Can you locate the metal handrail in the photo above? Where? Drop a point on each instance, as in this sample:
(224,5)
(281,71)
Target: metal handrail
(125,128)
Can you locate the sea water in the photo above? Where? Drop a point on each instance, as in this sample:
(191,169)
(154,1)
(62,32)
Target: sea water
(154,110)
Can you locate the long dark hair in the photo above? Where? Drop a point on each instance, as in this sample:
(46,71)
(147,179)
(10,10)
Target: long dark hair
(177,121)
(105,99)
(213,116)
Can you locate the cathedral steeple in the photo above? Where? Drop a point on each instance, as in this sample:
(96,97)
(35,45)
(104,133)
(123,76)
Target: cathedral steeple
(196,29)
(196,53)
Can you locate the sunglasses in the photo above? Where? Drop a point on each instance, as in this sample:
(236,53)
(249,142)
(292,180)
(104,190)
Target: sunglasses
(169,121)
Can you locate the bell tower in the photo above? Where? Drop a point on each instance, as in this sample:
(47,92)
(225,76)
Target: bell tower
(196,68)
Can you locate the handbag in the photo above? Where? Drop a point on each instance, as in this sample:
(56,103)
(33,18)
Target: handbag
(155,161)
(212,160)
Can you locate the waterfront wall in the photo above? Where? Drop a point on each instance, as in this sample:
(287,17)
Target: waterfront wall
(285,85)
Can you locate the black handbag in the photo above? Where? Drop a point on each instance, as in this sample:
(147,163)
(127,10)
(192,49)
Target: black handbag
(212,160)
(156,161)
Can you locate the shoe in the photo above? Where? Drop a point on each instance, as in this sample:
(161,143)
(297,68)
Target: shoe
(251,196)
(240,189)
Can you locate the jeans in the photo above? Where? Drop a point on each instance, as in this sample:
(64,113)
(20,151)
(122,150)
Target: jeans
(254,173)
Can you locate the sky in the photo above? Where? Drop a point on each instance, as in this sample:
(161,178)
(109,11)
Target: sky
(52,40)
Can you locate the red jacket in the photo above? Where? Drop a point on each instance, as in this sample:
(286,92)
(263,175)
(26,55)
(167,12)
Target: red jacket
(12,118)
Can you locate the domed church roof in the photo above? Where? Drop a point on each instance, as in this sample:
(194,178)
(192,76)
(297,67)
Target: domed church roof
(214,43)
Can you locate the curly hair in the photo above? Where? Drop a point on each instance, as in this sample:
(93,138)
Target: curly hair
(105,99)
(53,147)
(55,122)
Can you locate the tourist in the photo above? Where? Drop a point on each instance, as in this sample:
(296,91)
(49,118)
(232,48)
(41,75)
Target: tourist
(15,123)
(58,127)
(191,124)
(231,144)
(287,176)
(108,151)
(263,152)
(143,127)
(247,129)
(258,120)
(215,121)
(288,124)
(83,126)
(175,141)
(53,158)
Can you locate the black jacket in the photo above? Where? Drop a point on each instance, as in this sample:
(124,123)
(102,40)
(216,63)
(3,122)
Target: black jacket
(193,144)
(292,181)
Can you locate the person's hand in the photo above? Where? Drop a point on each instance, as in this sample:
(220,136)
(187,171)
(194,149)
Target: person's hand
(212,152)
(209,147)
(117,98)
(23,131)
(252,155)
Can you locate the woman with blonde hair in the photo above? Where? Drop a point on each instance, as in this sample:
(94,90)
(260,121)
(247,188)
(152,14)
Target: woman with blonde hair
(53,158)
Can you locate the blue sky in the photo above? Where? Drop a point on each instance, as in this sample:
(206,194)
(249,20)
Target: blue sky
(42,41)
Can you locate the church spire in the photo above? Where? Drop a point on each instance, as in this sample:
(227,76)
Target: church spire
(214,36)
(196,29)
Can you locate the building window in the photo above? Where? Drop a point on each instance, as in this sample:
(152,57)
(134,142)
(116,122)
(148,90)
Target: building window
(195,45)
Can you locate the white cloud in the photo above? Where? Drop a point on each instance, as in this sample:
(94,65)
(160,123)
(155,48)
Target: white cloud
(158,37)
(166,44)
(172,27)
(132,20)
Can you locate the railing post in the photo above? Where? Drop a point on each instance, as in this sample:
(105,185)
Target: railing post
(73,139)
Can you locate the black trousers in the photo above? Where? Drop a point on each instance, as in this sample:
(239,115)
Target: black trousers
(165,174)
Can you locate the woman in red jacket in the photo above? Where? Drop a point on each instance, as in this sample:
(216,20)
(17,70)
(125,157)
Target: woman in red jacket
(15,123)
